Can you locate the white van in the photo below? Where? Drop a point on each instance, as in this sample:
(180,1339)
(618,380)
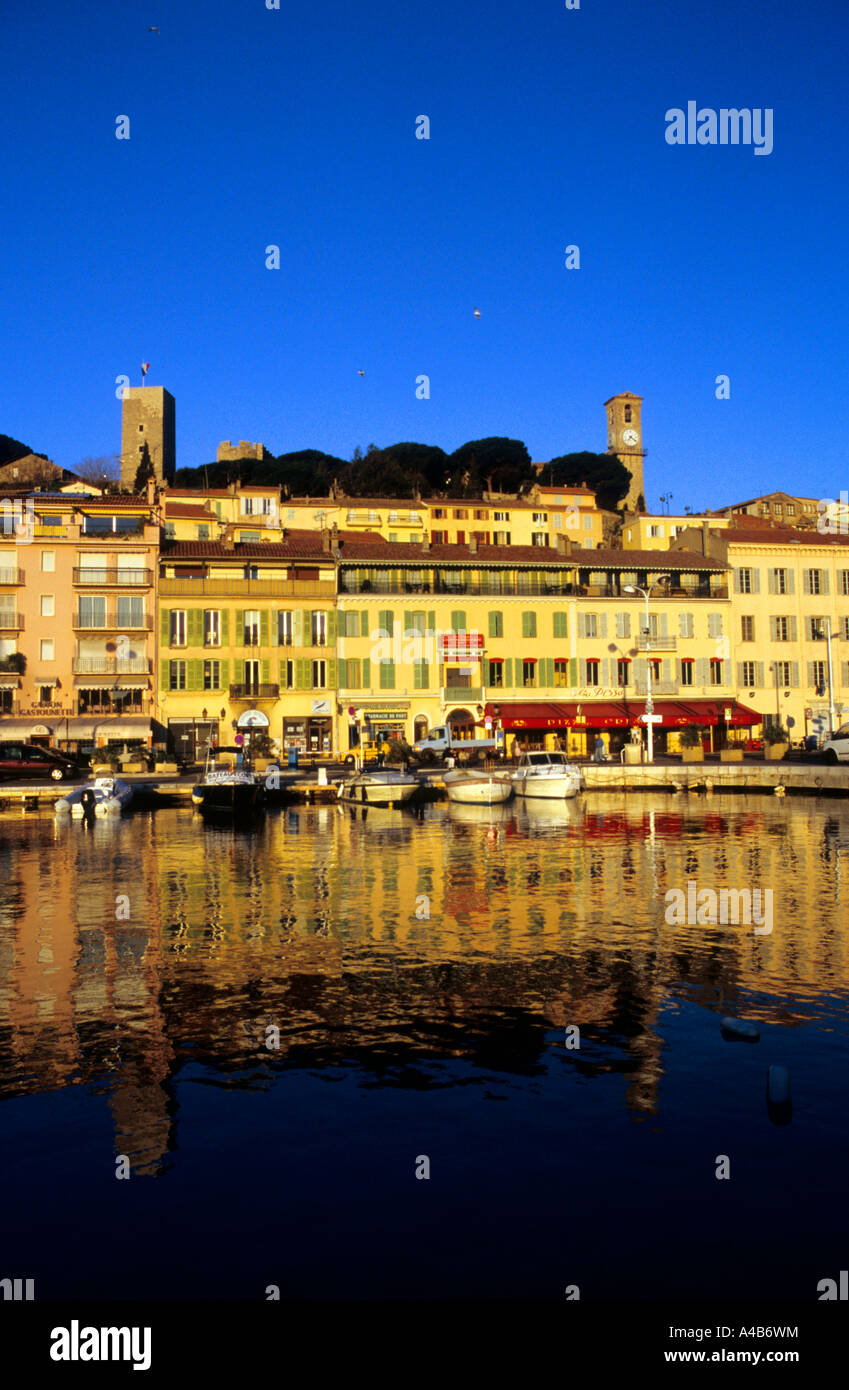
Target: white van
(836,748)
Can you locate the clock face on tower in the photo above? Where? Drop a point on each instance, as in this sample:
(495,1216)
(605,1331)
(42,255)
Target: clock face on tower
(630,437)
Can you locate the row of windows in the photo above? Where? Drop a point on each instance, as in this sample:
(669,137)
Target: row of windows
(747,580)
(250,675)
(784,628)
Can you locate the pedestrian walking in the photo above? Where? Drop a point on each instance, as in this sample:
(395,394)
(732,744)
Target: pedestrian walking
(600,749)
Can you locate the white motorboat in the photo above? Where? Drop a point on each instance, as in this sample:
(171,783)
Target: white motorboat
(105,796)
(383,788)
(548,775)
(473,787)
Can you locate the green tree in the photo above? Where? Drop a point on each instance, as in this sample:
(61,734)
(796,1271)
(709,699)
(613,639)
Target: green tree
(604,474)
(12,449)
(496,462)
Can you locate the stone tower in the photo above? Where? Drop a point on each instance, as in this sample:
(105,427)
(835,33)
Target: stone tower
(148,417)
(625,440)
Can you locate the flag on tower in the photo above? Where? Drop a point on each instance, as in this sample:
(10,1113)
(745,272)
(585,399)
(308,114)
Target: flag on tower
(145,368)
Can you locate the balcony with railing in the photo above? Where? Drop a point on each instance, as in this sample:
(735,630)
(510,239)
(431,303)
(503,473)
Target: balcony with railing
(11,622)
(112,622)
(646,642)
(253,691)
(113,576)
(11,576)
(111,666)
(238,587)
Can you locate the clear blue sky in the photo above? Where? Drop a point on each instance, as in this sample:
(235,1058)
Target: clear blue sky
(296,127)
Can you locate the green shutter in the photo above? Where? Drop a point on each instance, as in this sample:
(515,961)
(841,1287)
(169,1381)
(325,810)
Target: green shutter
(364,625)
(281,672)
(332,666)
(298,627)
(561,625)
(265,672)
(495,624)
(165,627)
(224,667)
(342,674)
(573,671)
(164,674)
(386,622)
(194,675)
(263,627)
(458,620)
(421,676)
(387,675)
(408,622)
(549,670)
(238,672)
(225,627)
(431,621)
(508,671)
(303,674)
(331,628)
(366,674)
(194,627)
(239,634)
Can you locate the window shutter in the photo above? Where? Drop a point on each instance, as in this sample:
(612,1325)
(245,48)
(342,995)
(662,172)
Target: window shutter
(240,628)
(759,673)
(603,625)
(508,672)
(714,624)
(164,674)
(740,675)
(806,581)
(791,582)
(605,671)
(224,674)
(366,673)
(664,624)
(756,581)
(582,624)
(794,673)
(702,670)
(387,675)
(225,627)
(561,625)
(274,633)
(431,621)
(408,623)
(773,629)
(458,620)
(810,666)
(620,624)
(238,672)
(738,586)
(844,673)
(385,621)
(281,672)
(549,671)
(332,667)
(573,671)
(364,627)
(493,625)
(194,627)
(770,581)
(824,582)
(303,674)
(263,627)
(331,628)
(585,677)
(165,627)
(791,628)
(665,672)
(640,669)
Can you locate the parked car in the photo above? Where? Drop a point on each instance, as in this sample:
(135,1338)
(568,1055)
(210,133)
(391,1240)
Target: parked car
(836,748)
(22,761)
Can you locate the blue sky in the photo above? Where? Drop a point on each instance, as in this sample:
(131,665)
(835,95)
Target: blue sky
(251,127)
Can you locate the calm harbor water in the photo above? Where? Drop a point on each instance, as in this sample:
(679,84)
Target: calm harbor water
(423,973)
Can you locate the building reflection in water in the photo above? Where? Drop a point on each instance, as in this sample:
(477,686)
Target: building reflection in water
(383,940)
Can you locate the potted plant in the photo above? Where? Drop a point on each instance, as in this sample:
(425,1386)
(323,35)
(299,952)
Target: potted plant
(15,661)
(692,748)
(776,742)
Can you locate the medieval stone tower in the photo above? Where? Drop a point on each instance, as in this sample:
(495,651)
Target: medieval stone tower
(148,417)
(625,440)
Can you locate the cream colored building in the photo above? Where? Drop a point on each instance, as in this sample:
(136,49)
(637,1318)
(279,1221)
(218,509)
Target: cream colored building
(642,531)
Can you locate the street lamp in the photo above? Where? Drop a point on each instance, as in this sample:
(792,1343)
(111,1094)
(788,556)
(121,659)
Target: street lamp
(649,714)
(827,637)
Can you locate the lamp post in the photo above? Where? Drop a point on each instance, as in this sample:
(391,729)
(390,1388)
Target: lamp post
(649,714)
(827,636)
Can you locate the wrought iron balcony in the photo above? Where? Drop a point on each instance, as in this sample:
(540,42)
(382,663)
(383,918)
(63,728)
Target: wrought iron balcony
(110,666)
(254,692)
(11,576)
(113,622)
(113,576)
(645,643)
(11,622)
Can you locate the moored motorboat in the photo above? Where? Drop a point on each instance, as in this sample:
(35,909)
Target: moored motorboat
(548,775)
(382,788)
(473,787)
(104,796)
(229,790)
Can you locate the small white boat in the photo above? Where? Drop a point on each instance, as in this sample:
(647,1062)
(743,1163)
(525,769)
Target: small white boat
(105,796)
(472,787)
(548,775)
(383,788)
(234,791)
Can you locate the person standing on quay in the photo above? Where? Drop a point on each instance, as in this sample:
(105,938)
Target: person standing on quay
(600,749)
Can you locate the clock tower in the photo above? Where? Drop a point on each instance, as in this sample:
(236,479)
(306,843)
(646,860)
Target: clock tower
(625,440)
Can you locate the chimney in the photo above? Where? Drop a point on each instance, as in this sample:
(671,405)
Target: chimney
(227,541)
(151,491)
(473,546)
(325,539)
(426,541)
(563,544)
(334,536)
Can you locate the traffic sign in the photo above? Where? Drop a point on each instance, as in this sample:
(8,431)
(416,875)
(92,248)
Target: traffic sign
(652,718)
(239,740)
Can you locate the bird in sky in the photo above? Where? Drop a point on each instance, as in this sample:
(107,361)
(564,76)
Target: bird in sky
(361,373)
(477,312)
(153,29)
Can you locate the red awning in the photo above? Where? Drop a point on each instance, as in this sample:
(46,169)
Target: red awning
(610,714)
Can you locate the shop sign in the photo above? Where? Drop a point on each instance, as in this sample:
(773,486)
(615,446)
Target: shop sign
(320,707)
(253,719)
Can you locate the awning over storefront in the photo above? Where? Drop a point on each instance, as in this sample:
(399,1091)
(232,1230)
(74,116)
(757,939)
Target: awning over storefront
(613,714)
(73,727)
